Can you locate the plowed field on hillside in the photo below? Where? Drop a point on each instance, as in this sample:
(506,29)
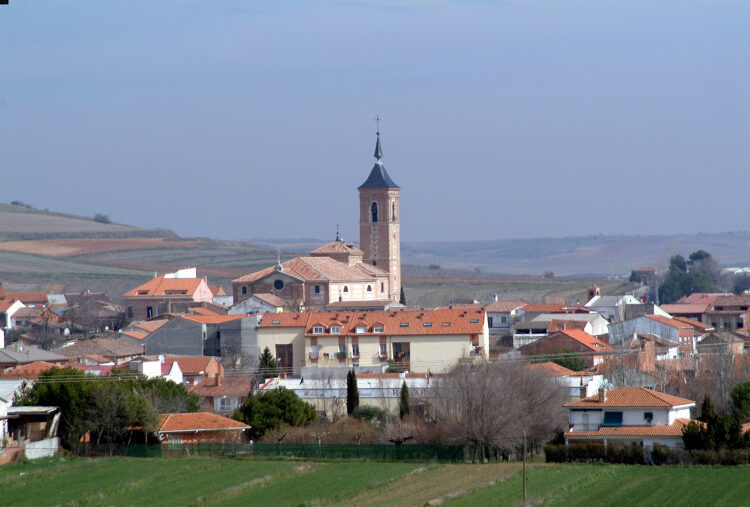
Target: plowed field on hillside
(73,246)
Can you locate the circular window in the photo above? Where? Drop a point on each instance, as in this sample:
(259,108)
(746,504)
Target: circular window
(278,284)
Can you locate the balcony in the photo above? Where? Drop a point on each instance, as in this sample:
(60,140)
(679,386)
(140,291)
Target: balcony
(585,427)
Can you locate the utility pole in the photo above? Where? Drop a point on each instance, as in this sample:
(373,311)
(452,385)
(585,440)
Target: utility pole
(524,467)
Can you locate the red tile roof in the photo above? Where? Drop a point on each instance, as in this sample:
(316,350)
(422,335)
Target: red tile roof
(701,298)
(6,303)
(338,247)
(149,326)
(319,268)
(29,298)
(590,341)
(505,306)
(403,322)
(271,299)
(684,308)
(217,290)
(166,287)
(107,347)
(632,397)
(556,308)
(700,326)
(199,310)
(192,365)
(212,319)
(552,368)
(197,421)
(229,386)
(669,322)
(29,371)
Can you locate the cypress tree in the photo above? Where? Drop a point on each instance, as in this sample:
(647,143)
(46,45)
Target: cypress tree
(403,406)
(267,364)
(402,298)
(352,393)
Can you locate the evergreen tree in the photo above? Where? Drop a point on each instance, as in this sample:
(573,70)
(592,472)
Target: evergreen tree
(403,406)
(402,298)
(352,393)
(267,364)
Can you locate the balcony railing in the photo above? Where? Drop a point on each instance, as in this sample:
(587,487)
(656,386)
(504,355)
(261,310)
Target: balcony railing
(585,427)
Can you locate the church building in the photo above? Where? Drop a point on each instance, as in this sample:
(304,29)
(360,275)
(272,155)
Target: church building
(339,271)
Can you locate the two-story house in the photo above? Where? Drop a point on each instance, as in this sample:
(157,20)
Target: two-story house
(628,415)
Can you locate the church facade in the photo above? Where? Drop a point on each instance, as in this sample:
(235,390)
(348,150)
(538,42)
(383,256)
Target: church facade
(339,271)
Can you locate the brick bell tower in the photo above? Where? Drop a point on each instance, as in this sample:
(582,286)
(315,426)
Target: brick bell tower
(379,225)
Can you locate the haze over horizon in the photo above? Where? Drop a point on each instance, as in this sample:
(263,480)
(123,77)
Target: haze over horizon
(501,120)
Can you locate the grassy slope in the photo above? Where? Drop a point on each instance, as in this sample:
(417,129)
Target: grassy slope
(194,481)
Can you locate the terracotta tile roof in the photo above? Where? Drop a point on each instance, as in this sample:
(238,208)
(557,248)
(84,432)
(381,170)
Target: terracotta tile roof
(319,268)
(632,397)
(556,308)
(338,247)
(701,298)
(199,310)
(552,368)
(29,298)
(669,322)
(700,326)
(284,320)
(192,365)
(665,430)
(212,319)
(645,268)
(684,308)
(271,299)
(138,335)
(217,290)
(166,287)
(107,347)
(28,371)
(403,322)
(741,300)
(505,306)
(582,337)
(558,324)
(6,303)
(229,386)
(195,421)
(149,326)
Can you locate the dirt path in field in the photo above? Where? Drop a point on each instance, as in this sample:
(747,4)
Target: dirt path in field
(434,484)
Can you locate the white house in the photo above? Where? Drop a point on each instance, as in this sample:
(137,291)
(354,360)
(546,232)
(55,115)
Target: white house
(611,307)
(501,314)
(627,415)
(258,303)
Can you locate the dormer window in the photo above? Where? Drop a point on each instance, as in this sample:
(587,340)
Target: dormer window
(474,321)
(404,324)
(275,322)
(319,329)
(378,329)
(335,329)
(427,324)
(361,329)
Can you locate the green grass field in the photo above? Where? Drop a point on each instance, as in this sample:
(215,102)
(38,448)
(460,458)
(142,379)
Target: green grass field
(243,481)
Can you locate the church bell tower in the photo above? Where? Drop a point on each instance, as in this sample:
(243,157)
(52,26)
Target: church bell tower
(379,225)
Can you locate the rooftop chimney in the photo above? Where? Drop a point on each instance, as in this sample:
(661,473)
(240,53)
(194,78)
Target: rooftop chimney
(602,395)
(494,296)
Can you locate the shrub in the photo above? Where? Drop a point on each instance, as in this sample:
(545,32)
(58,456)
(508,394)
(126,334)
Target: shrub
(659,455)
(102,218)
(373,415)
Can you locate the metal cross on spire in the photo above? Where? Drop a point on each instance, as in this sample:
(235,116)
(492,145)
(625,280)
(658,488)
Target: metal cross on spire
(377,124)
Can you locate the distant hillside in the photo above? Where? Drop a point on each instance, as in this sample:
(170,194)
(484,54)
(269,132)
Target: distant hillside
(21,223)
(582,255)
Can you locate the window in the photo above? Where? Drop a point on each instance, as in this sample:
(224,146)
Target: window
(504,320)
(227,404)
(427,324)
(393,210)
(474,321)
(374,212)
(149,312)
(244,289)
(335,329)
(446,324)
(382,287)
(378,329)
(369,288)
(649,417)
(374,263)
(489,321)
(342,349)
(313,351)
(130,312)
(355,349)
(404,324)
(346,288)
(383,350)
(278,284)
(612,419)
(317,289)
(361,329)
(318,330)
(275,322)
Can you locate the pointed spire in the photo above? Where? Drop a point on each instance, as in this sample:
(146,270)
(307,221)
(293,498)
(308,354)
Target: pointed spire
(378,149)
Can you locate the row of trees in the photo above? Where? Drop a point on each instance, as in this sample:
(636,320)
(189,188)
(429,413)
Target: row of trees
(719,430)
(700,272)
(106,409)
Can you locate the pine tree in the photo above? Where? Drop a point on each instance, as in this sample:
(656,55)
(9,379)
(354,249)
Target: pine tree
(403,406)
(267,364)
(352,393)
(402,299)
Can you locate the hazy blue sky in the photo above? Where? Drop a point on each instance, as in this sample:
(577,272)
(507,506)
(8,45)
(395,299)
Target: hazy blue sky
(240,119)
